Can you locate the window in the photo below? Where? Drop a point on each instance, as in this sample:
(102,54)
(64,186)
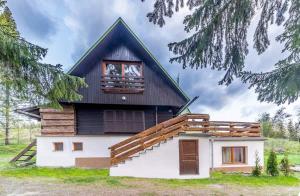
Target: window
(124,121)
(233,155)
(77,146)
(58,146)
(122,77)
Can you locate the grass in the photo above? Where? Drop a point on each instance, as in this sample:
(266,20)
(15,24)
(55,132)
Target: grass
(7,152)
(88,176)
(293,158)
(236,179)
(67,175)
(291,147)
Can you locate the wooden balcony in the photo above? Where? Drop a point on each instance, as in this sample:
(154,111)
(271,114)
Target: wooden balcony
(122,84)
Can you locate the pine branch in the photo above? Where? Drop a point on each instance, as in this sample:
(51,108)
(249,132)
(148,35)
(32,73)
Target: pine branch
(279,86)
(219,41)
(20,64)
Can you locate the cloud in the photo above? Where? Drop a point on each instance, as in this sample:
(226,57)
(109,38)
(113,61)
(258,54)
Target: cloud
(31,19)
(81,24)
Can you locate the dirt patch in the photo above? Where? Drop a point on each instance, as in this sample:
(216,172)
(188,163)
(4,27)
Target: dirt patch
(42,187)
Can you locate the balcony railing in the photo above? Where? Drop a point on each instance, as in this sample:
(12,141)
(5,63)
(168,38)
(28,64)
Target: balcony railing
(122,84)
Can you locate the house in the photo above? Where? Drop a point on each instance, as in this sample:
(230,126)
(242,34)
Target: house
(130,120)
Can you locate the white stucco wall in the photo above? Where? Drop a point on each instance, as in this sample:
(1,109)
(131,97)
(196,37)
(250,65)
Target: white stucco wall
(163,162)
(251,148)
(93,146)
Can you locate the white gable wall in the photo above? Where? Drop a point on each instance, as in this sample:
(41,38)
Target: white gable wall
(163,161)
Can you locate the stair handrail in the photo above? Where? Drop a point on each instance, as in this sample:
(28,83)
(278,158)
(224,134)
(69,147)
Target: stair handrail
(151,136)
(20,154)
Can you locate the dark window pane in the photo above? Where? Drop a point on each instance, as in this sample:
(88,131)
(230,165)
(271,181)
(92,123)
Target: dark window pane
(77,146)
(58,146)
(113,69)
(133,70)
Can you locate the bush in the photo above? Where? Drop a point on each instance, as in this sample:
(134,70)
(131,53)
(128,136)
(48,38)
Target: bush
(285,166)
(257,170)
(272,165)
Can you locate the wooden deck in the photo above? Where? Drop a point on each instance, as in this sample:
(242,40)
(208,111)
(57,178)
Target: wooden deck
(188,123)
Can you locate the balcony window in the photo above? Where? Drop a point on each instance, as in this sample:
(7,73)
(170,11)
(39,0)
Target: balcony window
(122,77)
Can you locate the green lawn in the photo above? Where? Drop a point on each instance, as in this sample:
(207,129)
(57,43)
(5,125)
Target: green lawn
(8,152)
(81,176)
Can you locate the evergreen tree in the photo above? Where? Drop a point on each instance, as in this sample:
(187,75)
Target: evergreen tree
(20,61)
(257,170)
(8,100)
(279,121)
(218,40)
(292,130)
(178,79)
(266,125)
(272,165)
(285,165)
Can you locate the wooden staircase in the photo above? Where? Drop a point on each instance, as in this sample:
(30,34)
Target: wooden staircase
(24,158)
(188,123)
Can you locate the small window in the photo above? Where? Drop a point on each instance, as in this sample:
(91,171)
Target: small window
(58,146)
(233,155)
(77,146)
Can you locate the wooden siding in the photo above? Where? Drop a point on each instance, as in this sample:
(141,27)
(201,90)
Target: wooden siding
(90,118)
(58,122)
(157,91)
(121,53)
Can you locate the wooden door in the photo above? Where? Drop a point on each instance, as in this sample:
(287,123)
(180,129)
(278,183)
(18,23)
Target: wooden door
(188,157)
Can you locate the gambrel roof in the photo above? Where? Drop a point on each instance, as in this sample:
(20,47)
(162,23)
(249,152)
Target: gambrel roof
(120,30)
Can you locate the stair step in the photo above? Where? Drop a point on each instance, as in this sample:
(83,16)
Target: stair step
(24,154)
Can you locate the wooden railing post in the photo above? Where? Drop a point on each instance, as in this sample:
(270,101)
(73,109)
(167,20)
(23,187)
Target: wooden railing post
(170,128)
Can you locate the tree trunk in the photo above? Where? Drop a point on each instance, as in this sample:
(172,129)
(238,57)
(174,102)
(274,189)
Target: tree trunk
(7,113)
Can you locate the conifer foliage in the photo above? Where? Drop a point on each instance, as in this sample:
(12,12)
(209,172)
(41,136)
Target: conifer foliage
(272,165)
(257,170)
(218,40)
(20,61)
(285,166)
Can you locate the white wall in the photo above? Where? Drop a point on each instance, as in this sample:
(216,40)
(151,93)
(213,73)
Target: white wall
(252,147)
(93,146)
(163,162)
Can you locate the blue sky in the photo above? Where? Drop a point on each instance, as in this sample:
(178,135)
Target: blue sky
(68,28)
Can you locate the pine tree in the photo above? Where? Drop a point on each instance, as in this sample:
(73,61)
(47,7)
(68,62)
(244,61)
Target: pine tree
(178,79)
(266,124)
(272,165)
(292,130)
(279,121)
(20,61)
(285,166)
(257,170)
(7,98)
(218,40)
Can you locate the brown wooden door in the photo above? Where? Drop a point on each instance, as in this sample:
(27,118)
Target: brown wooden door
(188,157)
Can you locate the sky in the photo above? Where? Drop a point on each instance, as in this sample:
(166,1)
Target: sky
(68,28)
